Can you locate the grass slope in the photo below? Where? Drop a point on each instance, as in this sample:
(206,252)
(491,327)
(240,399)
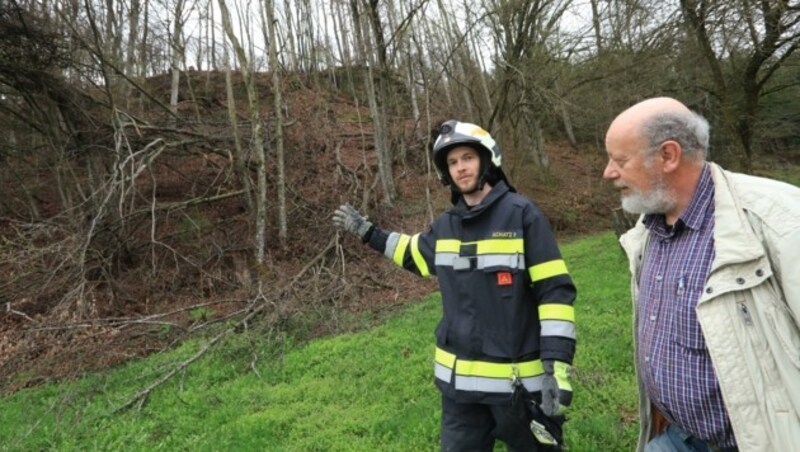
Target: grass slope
(367,391)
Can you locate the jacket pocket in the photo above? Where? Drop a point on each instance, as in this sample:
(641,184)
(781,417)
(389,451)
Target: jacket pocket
(786,330)
(503,311)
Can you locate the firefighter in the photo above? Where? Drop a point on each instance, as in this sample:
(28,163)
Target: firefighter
(506,340)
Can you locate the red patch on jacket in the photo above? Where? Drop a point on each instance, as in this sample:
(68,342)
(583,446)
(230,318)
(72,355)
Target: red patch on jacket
(504,279)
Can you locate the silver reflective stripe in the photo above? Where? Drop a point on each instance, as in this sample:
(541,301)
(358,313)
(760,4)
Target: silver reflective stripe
(501,260)
(481,262)
(445,259)
(391,244)
(442,372)
(483,384)
(461,263)
(561,328)
(496,385)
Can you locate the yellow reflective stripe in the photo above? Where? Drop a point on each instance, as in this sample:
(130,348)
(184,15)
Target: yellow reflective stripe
(418,259)
(498,370)
(561,370)
(547,270)
(556,312)
(501,246)
(400,249)
(444,358)
(489,246)
(448,246)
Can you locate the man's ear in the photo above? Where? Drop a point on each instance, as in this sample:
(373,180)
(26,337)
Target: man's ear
(670,154)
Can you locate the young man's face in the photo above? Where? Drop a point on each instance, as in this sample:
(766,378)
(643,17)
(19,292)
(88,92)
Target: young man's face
(464,165)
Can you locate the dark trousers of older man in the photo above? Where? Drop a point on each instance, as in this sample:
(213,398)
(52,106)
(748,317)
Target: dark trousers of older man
(475,426)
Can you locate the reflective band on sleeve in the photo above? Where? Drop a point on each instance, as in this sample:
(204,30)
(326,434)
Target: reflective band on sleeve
(391,245)
(400,250)
(558,328)
(547,270)
(554,311)
(418,259)
(560,370)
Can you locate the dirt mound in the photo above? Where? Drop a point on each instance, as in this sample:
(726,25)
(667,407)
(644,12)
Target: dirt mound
(199,276)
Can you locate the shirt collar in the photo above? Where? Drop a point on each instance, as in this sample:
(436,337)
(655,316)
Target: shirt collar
(693,216)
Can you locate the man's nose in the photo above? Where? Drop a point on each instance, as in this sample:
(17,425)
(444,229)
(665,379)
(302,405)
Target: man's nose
(610,172)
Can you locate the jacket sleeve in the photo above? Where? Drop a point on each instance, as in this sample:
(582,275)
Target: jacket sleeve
(415,252)
(553,289)
(782,249)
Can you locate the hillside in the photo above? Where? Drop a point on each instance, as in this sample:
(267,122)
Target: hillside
(198,270)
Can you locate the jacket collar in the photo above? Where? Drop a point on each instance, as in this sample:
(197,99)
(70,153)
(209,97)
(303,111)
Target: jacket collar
(465,212)
(734,238)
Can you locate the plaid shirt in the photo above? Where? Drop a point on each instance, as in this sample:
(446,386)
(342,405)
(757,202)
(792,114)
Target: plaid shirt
(674,363)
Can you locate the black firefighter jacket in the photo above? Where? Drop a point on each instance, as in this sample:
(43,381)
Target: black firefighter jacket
(507,295)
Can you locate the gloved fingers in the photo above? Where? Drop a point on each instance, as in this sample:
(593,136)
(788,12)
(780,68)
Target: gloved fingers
(339,219)
(349,210)
(550,405)
(551,395)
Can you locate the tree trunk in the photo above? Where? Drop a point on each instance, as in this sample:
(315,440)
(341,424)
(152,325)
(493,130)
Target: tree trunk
(130,57)
(239,161)
(177,56)
(258,139)
(378,98)
(276,89)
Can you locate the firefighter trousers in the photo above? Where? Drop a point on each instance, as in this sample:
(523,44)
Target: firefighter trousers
(474,427)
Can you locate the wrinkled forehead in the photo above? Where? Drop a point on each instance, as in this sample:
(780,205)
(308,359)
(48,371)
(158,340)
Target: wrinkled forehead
(625,133)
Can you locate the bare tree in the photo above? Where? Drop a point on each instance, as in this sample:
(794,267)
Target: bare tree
(744,44)
(177,48)
(377,95)
(258,134)
(522,28)
(269,6)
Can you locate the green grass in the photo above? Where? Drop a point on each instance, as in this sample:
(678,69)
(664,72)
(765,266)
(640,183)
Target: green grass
(788,174)
(367,391)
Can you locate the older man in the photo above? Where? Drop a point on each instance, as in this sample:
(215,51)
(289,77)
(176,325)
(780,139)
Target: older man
(715,261)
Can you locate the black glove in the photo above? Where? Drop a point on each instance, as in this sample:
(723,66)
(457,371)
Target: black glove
(347,218)
(553,384)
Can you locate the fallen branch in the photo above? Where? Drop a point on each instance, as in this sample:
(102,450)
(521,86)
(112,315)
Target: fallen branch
(19,313)
(140,398)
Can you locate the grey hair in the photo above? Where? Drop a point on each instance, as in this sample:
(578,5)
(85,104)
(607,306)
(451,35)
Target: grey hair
(687,128)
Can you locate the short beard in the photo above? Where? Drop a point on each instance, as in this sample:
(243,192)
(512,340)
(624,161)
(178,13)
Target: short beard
(470,191)
(657,200)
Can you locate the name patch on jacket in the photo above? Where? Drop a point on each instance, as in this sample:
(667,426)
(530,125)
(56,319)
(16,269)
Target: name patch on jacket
(504,235)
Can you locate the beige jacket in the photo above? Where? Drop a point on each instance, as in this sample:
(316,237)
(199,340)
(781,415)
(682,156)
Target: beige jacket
(750,309)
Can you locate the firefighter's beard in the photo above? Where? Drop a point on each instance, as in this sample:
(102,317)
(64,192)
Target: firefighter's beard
(656,200)
(470,189)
